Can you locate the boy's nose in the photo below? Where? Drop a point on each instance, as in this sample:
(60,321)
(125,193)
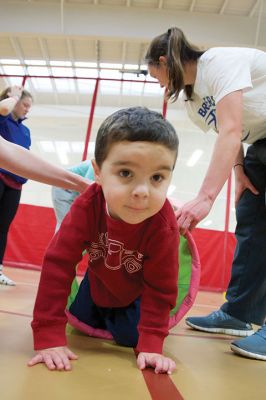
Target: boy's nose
(141,190)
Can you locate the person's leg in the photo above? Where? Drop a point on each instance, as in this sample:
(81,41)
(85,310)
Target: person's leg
(253,346)
(246,294)
(84,308)
(62,200)
(122,323)
(8,207)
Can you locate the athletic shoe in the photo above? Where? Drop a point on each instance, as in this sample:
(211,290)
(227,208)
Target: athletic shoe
(220,322)
(4,280)
(253,346)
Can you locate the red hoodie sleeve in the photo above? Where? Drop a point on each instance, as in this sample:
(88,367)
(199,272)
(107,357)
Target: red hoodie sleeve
(160,290)
(58,272)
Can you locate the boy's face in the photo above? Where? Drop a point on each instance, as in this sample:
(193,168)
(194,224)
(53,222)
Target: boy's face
(135,177)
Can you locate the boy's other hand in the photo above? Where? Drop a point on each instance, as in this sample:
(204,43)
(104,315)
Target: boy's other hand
(160,363)
(55,358)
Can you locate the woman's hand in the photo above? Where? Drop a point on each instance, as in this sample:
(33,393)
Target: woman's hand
(191,213)
(55,358)
(160,363)
(8,104)
(82,183)
(242,183)
(15,91)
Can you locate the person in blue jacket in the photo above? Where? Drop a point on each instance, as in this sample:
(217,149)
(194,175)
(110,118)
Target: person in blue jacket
(13,130)
(20,161)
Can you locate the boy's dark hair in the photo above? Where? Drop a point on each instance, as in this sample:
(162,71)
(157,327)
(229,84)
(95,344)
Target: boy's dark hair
(134,124)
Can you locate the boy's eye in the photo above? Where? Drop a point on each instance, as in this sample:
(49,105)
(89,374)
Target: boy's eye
(157,178)
(125,173)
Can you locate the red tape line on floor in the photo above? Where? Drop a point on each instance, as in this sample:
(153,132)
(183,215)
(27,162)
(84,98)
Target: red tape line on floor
(160,386)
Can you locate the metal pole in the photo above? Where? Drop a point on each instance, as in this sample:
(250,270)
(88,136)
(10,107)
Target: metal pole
(164,105)
(226,227)
(93,103)
(24,80)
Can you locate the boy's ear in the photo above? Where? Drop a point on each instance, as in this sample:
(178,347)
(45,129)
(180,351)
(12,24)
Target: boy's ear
(96,172)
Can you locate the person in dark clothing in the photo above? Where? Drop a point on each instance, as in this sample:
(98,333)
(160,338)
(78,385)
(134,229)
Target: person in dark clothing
(12,130)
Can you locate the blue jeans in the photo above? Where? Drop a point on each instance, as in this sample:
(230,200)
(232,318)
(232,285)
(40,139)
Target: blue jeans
(121,322)
(246,293)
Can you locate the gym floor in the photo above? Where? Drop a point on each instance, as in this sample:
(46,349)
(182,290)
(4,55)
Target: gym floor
(206,367)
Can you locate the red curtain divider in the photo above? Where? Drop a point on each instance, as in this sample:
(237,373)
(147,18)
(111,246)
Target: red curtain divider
(33,228)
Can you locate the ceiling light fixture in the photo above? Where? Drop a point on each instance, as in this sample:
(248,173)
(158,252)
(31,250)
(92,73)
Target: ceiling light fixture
(194,158)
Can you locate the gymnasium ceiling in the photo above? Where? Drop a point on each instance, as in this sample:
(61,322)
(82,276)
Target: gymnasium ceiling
(118,31)
(109,38)
(79,37)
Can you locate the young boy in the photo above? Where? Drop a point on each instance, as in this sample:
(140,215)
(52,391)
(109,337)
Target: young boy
(128,227)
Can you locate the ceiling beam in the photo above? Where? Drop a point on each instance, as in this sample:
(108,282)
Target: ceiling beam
(46,56)
(124,53)
(62,15)
(97,52)
(19,53)
(223,7)
(192,5)
(101,22)
(254,8)
(72,59)
(123,62)
(17,49)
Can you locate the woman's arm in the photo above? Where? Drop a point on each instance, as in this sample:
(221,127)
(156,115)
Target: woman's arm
(22,162)
(225,153)
(7,105)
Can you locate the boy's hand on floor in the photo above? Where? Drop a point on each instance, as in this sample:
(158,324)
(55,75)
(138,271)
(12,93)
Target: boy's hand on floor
(159,362)
(55,358)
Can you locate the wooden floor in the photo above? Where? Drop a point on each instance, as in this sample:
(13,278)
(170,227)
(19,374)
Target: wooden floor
(206,367)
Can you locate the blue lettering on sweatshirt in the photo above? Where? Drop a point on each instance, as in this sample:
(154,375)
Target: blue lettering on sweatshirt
(208,111)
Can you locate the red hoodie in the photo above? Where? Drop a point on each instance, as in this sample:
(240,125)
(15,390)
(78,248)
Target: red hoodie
(126,261)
